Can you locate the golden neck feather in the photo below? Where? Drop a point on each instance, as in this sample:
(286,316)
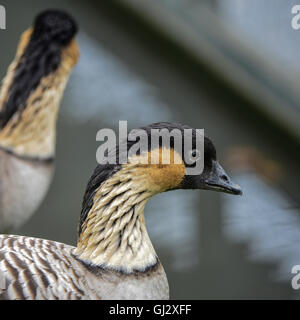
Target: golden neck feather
(114,233)
(32,131)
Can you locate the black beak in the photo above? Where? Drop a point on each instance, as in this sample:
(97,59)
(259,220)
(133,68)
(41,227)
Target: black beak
(220,181)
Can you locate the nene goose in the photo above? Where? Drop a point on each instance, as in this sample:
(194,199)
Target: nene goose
(114,257)
(29,101)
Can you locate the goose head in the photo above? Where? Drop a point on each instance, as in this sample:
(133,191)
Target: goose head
(112,231)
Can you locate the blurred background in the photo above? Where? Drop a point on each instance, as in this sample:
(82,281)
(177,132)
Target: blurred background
(230,67)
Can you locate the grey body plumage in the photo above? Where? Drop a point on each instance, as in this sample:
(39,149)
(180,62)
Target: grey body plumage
(23,185)
(35,269)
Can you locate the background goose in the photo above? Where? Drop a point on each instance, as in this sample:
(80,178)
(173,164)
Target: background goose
(114,257)
(29,101)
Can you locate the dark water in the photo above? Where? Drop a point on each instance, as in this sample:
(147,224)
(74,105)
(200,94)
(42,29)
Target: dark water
(211,245)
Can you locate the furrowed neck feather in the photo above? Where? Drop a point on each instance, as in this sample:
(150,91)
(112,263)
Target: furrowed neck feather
(31,130)
(114,234)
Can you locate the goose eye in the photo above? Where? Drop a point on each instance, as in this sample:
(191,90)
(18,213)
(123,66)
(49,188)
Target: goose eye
(195,154)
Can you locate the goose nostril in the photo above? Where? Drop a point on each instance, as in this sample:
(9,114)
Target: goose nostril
(225,178)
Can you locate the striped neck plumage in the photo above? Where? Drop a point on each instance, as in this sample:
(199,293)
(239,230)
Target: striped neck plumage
(114,235)
(29,105)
